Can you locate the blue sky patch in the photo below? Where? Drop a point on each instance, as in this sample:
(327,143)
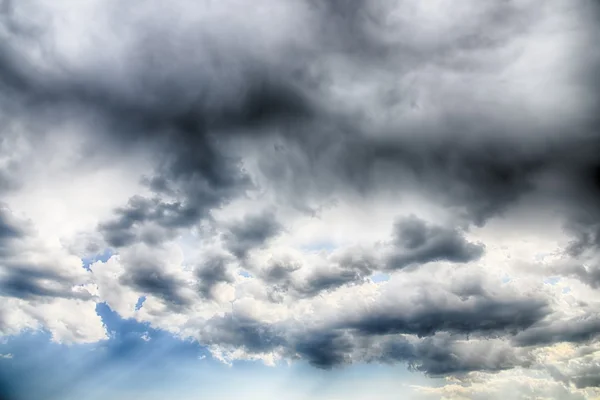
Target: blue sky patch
(103,257)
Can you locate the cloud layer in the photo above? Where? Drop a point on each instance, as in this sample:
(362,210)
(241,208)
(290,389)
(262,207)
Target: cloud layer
(255,169)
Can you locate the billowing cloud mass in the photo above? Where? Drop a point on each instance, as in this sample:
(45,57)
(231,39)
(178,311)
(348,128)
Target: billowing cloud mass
(331,182)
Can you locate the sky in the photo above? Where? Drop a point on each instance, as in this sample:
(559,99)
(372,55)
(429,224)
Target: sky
(299,199)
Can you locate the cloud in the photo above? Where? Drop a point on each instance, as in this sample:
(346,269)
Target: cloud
(37,281)
(483,315)
(255,124)
(419,243)
(213,271)
(251,232)
(414,243)
(316,275)
(582,329)
(9,226)
(440,327)
(442,357)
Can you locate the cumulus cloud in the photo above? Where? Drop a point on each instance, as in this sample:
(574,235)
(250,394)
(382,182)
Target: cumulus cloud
(251,232)
(239,131)
(420,244)
(37,280)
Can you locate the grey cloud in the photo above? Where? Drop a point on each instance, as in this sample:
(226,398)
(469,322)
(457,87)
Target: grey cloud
(279,278)
(351,267)
(211,272)
(477,179)
(9,227)
(22,277)
(435,356)
(439,334)
(191,99)
(179,115)
(324,349)
(181,111)
(589,377)
(584,269)
(442,356)
(480,316)
(242,332)
(581,375)
(414,243)
(586,236)
(471,161)
(26,283)
(574,330)
(251,232)
(280,271)
(127,229)
(153,280)
(327,348)
(419,243)
(323,280)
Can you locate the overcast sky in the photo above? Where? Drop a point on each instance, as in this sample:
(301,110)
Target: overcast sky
(299,199)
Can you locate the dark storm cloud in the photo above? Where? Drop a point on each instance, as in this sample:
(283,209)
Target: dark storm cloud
(251,232)
(278,277)
(26,283)
(23,278)
(211,272)
(414,243)
(185,114)
(324,349)
(181,114)
(476,160)
(581,375)
(574,330)
(433,333)
(480,179)
(588,377)
(352,27)
(124,230)
(242,332)
(585,222)
(323,280)
(589,275)
(581,168)
(153,280)
(350,267)
(472,160)
(327,348)
(280,271)
(583,264)
(419,243)
(446,357)
(435,356)
(586,236)
(9,227)
(484,315)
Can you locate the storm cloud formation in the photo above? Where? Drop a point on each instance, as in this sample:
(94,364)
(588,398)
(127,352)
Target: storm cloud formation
(336,182)
(420,244)
(23,276)
(251,232)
